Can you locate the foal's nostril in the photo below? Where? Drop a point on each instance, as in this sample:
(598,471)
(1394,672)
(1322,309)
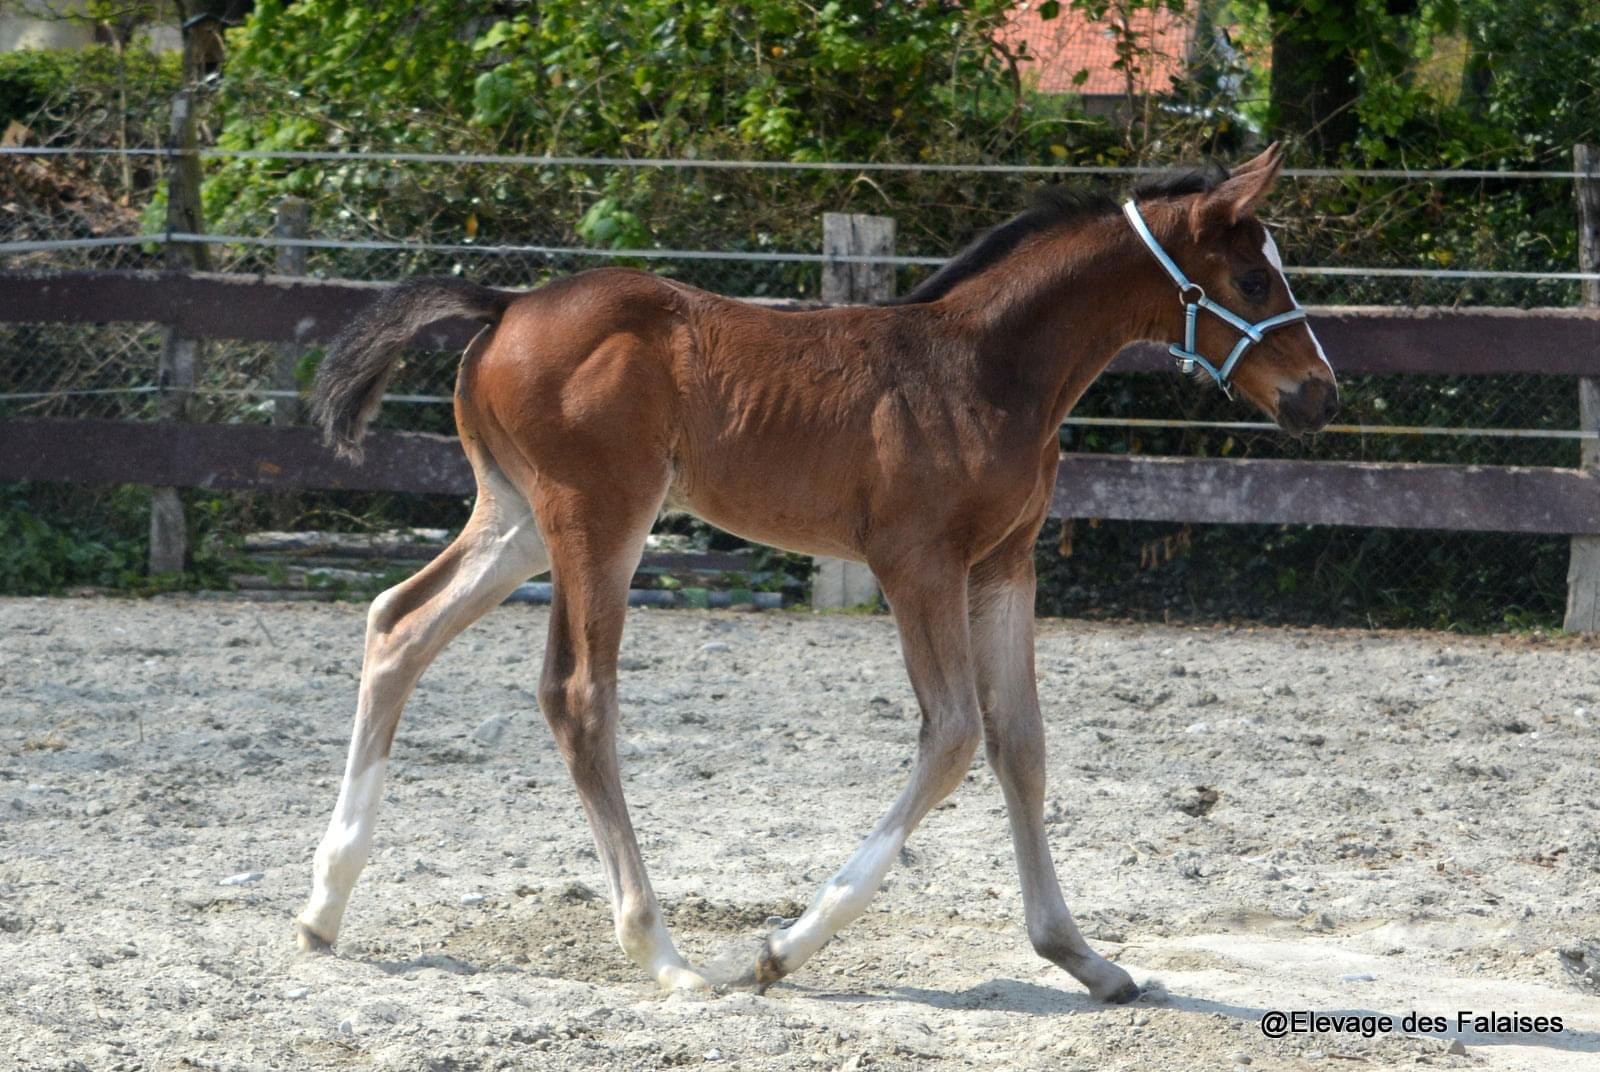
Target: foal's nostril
(1330,406)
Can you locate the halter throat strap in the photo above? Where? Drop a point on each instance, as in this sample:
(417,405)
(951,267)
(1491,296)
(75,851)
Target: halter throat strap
(1193,297)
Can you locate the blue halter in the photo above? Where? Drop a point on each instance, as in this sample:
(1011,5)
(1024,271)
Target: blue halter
(1194,299)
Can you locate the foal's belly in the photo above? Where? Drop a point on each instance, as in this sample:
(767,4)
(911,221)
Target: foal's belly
(782,515)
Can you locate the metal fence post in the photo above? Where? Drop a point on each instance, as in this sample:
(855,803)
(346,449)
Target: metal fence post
(180,354)
(1583,567)
(836,583)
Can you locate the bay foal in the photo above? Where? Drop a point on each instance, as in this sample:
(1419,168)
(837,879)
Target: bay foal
(919,436)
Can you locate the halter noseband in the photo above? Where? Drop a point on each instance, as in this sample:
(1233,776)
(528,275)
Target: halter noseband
(1194,299)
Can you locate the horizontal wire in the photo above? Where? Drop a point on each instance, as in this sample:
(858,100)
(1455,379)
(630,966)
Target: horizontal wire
(749,256)
(1337,429)
(768,165)
(20,396)
(1442,273)
(1088,422)
(555,251)
(50,245)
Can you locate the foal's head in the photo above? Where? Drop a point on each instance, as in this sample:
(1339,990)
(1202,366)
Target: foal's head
(1207,225)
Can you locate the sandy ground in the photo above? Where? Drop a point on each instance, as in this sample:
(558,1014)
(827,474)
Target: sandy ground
(1271,820)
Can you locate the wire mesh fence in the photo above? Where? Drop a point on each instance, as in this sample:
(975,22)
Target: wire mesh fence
(756,231)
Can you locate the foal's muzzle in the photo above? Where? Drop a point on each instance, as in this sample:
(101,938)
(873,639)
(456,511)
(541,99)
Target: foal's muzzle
(1309,407)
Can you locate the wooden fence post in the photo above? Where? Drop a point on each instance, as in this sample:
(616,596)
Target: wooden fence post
(180,354)
(836,583)
(1583,568)
(292,222)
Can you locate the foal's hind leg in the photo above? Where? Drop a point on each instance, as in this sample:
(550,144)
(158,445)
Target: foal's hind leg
(1001,600)
(595,544)
(406,627)
(930,609)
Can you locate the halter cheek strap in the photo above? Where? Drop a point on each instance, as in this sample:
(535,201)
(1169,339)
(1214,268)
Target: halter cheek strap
(1193,297)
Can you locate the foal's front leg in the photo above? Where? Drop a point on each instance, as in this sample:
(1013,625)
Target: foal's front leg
(930,609)
(1002,648)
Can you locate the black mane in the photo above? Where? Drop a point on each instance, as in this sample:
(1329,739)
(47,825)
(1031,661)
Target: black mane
(1051,207)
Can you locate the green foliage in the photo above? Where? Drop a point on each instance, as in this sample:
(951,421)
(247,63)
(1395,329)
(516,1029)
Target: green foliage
(1534,74)
(849,80)
(87,94)
(41,554)
(54,538)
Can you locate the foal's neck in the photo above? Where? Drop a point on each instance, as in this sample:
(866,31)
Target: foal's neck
(1053,316)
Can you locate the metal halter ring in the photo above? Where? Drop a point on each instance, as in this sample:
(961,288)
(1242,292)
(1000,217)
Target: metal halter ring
(1195,289)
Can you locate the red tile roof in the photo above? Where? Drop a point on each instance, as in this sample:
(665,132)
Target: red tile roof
(1069,43)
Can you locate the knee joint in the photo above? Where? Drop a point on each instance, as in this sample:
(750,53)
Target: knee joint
(954,743)
(574,706)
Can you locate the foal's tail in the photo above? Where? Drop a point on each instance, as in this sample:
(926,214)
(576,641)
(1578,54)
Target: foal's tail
(351,380)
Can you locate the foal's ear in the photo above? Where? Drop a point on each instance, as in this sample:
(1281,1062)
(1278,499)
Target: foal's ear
(1271,154)
(1239,195)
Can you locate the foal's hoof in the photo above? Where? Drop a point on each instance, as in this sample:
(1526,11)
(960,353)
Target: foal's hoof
(675,978)
(748,966)
(310,941)
(1115,986)
(1129,991)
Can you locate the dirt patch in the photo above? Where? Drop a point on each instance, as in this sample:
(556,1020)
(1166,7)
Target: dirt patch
(1258,820)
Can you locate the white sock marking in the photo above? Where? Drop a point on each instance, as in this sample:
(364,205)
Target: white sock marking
(845,897)
(344,849)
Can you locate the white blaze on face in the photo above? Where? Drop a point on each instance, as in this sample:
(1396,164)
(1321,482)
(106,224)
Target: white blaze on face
(1269,249)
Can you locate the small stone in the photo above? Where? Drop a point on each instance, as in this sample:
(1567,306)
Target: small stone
(297,993)
(1357,977)
(1318,921)
(1457,1048)
(1242,1059)
(714,1054)
(243,878)
(716,646)
(470,899)
(347,1027)
(491,730)
(576,892)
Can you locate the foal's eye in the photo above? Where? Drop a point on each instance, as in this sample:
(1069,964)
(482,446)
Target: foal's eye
(1254,285)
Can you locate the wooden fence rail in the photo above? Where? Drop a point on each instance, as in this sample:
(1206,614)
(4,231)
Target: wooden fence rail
(1383,341)
(1364,340)
(261,457)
